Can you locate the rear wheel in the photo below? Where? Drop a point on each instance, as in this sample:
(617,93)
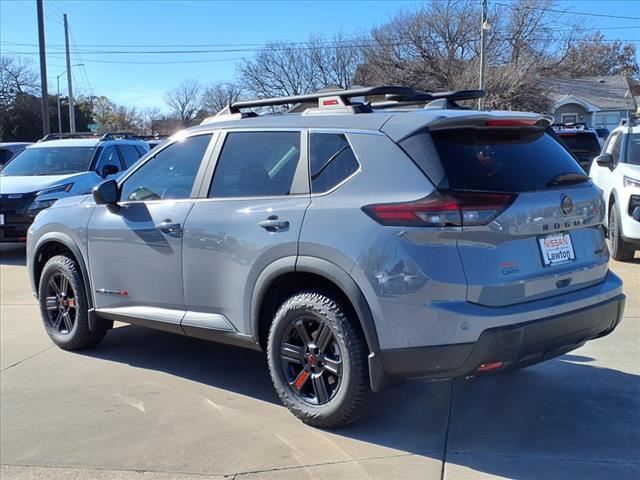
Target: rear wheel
(619,249)
(318,361)
(64,307)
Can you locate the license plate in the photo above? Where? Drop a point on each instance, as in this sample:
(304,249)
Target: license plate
(556,249)
(1,218)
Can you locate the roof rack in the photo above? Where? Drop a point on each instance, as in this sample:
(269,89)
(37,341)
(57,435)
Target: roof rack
(120,135)
(431,100)
(341,101)
(61,136)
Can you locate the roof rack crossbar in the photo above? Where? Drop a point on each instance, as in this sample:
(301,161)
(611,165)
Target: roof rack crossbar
(343,95)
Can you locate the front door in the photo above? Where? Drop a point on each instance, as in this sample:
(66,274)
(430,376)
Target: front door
(135,250)
(251,217)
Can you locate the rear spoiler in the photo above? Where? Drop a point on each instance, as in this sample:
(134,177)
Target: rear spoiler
(396,129)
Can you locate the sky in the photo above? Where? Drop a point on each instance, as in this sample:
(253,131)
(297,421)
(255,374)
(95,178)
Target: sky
(114,25)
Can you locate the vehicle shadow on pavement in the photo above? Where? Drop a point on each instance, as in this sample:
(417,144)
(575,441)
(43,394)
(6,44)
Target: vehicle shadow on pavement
(562,416)
(13,254)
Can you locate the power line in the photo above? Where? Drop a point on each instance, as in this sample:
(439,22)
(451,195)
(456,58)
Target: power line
(566,12)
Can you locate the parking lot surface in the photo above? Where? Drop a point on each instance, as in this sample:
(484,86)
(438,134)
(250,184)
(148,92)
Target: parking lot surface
(151,405)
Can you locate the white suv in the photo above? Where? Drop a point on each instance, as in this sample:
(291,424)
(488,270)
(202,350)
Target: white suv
(617,172)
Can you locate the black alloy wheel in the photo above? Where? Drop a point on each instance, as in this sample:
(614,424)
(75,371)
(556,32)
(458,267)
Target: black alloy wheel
(61,305)
(311,360)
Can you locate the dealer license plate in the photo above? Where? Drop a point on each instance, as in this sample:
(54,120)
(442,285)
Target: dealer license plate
(556,249)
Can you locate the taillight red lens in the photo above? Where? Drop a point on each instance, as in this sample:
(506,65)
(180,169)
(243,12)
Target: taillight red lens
(437,210)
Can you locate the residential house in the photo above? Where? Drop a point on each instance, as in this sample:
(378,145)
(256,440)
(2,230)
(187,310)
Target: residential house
(599,102)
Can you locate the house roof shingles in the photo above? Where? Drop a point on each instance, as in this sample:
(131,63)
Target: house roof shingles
(605,92)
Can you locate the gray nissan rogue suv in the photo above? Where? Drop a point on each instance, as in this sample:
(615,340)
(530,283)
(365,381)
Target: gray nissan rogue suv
(358,243)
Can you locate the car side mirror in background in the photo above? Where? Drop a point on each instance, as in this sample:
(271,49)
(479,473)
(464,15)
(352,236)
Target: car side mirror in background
(109,170)
(605,160)
(107,193)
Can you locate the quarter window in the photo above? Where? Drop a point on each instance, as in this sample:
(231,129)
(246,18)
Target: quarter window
(130,154)
(170,174)
(331,161)
(256,164)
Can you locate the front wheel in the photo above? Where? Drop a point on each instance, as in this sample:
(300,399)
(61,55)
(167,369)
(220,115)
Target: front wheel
(619,249)
(318,361)
(64,307)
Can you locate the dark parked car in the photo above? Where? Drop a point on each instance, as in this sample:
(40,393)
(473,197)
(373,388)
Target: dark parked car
(583,142)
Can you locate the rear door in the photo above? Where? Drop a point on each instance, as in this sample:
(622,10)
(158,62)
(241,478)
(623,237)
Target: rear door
(250,217)
(548,239)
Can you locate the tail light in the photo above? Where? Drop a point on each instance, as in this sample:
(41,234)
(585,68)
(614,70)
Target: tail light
(442,210)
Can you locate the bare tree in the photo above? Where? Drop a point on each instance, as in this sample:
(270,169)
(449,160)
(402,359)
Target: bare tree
(218,95)
(185,101)
(17,76)
(104,113)
(147,117)
(282,69)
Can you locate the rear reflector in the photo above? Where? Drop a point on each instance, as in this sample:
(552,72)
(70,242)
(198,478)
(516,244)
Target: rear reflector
(487,367)
(505,122)
(438,210)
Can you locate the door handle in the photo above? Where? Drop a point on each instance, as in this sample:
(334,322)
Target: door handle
(273,224)
(169,227)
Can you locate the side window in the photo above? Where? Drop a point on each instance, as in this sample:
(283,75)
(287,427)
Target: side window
(141,151)
(331,160)
(170,174)
(108,156)
(256,164)
(130,154)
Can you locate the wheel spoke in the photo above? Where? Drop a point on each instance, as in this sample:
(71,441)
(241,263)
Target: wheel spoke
(302,331)
(64,284)
(331,365)
(68,322)
(54,286)
(300,380)
(323,335)
(320,389)
(292,353)
(58,321)
(51,304)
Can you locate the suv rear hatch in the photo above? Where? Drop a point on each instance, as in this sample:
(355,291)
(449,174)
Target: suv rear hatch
(542,236)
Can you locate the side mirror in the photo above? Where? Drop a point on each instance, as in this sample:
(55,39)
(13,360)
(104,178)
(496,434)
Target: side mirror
(109,170)
(107,193)
(605,160)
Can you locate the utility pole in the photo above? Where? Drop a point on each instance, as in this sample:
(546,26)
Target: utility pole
(43,70)
(59,113)
(484,26)
(72,115)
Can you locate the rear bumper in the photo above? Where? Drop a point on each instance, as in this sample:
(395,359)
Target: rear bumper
(515,345)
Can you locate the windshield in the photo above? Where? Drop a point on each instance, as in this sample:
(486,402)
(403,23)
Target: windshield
(581,142)
(50,161)
(633,150)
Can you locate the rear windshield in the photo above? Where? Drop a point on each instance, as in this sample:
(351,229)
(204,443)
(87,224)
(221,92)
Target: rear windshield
(50,161)
(581,141)
(501,160)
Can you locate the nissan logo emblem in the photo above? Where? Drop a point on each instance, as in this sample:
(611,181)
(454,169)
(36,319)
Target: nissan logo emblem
(566,204)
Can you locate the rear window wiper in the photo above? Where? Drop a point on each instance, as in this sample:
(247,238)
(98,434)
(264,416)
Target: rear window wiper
(567,179)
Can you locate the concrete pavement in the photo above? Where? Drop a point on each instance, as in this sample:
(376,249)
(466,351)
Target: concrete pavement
(151,405)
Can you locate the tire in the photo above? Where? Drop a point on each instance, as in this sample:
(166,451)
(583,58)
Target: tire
(64,307)
(619,249)
(335,390)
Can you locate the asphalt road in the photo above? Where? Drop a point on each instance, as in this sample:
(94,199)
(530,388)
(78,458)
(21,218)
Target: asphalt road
(151,405)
